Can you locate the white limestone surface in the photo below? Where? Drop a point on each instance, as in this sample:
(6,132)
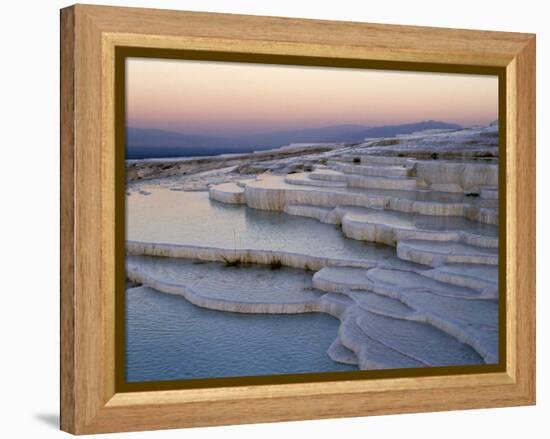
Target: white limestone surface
(273,193)
(328,175)
(242,256)
(231,193)
(367,159)
(389,227)
(303,179)
(389,183)
(339,280)
(370,170)
(433,195)
(436,253)
(452,176)
(489,192)
(481,278)
(322,214)
(193,296)
(464,315)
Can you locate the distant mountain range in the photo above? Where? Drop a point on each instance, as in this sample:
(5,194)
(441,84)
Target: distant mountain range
(408,128)
(152,143)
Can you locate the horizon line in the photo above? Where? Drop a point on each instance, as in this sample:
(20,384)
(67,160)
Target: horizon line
(365,126)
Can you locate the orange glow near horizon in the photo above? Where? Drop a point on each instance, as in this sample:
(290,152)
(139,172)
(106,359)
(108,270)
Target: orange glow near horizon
(221,98)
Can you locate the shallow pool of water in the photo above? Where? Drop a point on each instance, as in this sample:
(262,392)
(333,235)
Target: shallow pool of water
(173,217)
(243,283)
(167,338)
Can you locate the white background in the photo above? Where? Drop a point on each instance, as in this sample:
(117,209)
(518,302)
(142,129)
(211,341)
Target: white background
(29,173)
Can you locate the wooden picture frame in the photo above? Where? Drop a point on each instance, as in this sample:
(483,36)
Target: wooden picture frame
(90,399)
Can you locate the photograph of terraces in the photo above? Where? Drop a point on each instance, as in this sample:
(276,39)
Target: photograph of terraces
(289,219)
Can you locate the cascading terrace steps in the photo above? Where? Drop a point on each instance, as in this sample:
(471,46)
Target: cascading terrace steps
(361,318)
(367,159)
(368,176)
(271,192)
(456,176)
(372,170)
(436,253)
(474,322)
(341,354)
(231,193)
(389,227)
(322,214)
(407,173)
(383,182)
(481,278)
(341,279)
(428,298)
(304,178)
(425,347)
(435,241)
(465,315)
(243,256)
(328,175)
(370,353)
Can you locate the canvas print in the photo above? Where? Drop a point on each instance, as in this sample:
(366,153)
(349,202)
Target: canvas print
(286,219)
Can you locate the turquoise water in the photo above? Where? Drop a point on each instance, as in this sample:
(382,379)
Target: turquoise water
(167,338)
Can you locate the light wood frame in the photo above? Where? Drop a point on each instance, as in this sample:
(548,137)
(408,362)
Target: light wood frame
(89,35)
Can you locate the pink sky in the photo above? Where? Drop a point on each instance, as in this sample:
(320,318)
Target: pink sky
(220,98)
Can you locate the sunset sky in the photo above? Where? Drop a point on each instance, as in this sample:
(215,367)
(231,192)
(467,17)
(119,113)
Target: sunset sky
(219,98)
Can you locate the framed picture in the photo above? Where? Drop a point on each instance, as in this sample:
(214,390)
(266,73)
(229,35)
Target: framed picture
(269,219)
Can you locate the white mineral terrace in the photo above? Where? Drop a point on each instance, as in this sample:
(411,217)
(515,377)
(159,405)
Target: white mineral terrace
(433,197)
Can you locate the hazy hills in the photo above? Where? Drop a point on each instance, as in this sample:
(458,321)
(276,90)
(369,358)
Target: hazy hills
(408,128)
(149,143)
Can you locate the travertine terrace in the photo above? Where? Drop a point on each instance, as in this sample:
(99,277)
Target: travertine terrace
(431,196)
